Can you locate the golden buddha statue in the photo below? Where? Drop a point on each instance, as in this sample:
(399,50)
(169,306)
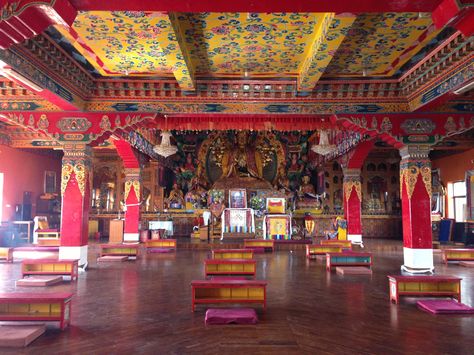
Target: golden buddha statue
(243,159)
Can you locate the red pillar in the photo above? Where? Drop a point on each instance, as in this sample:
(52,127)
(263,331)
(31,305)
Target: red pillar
(132,202)
(352,205)
(75,190)
(415,192)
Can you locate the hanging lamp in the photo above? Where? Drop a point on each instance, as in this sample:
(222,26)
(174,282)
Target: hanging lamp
(165,148)
(323,148)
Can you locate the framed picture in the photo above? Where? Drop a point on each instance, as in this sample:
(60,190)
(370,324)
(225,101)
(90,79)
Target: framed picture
(49,182)
(237,198)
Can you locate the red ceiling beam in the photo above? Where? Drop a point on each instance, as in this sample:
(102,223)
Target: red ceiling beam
(454,13)
(126,152)
(358,155)
(24,19)
(338,6)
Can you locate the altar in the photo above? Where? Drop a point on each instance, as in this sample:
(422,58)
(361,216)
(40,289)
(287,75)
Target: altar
(238,223)
(276,224)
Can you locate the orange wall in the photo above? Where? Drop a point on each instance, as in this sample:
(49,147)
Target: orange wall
(24,171)
(454,167)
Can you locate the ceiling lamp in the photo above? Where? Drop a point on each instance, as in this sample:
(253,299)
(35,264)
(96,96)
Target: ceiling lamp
(323,148)
(165,148)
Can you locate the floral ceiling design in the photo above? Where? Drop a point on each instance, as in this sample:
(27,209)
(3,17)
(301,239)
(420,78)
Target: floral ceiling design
(230,43)
(290,45)
(381,43)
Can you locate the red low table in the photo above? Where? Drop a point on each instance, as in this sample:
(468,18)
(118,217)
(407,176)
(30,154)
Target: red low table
(50,267)
(54,307)
(432,286)
(228,291)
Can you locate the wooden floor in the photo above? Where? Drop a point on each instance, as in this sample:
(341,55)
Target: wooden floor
(145,307)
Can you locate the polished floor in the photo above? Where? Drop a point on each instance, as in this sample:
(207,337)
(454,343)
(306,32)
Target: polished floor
(144,307)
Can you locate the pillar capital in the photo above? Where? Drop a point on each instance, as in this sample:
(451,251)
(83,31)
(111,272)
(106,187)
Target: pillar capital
(351,174)
(415,151)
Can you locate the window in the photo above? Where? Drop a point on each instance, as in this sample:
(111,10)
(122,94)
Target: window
(457,200)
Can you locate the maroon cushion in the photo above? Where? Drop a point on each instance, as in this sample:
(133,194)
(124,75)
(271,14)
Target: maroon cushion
(47,230)
(444,307)
(231,316)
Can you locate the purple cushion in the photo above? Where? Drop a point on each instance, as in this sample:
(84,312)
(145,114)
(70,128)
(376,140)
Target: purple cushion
(231,316)
(444,307)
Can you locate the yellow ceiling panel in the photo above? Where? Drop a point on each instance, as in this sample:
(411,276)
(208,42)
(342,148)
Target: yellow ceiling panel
(379,44)
(256,43)
(125,42)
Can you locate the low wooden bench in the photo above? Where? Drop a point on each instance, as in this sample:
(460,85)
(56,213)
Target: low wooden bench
(259,243)
(49,238)
(54,307)
(130,250)
(433,286)
(230,267)
(6,254)
(50,267)
(228,291)
(345,244)
(161,244)
(458,255)
(232,254)
(348,259)
(314,249)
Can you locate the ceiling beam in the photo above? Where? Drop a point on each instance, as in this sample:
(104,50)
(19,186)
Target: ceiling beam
(21,20)
(178,58)
(444,88)
(338,6)
(24,73)
(454,13)
(328,37)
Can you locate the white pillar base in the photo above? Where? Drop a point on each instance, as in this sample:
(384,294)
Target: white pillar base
(130,237)
(417,261)
(79,253)
(356,239)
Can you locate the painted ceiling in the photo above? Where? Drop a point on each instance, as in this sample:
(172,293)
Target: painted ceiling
(381,43)
(230,43)
(297,45)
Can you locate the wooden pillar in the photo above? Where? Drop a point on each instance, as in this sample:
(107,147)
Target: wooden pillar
(75,191)
(415,192)
(132,203)
(352,204)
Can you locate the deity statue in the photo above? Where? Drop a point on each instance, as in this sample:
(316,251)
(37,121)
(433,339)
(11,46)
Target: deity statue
(295,166)
(307,197)
(188,165)
(175,198)
(242,159)
(197,194)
